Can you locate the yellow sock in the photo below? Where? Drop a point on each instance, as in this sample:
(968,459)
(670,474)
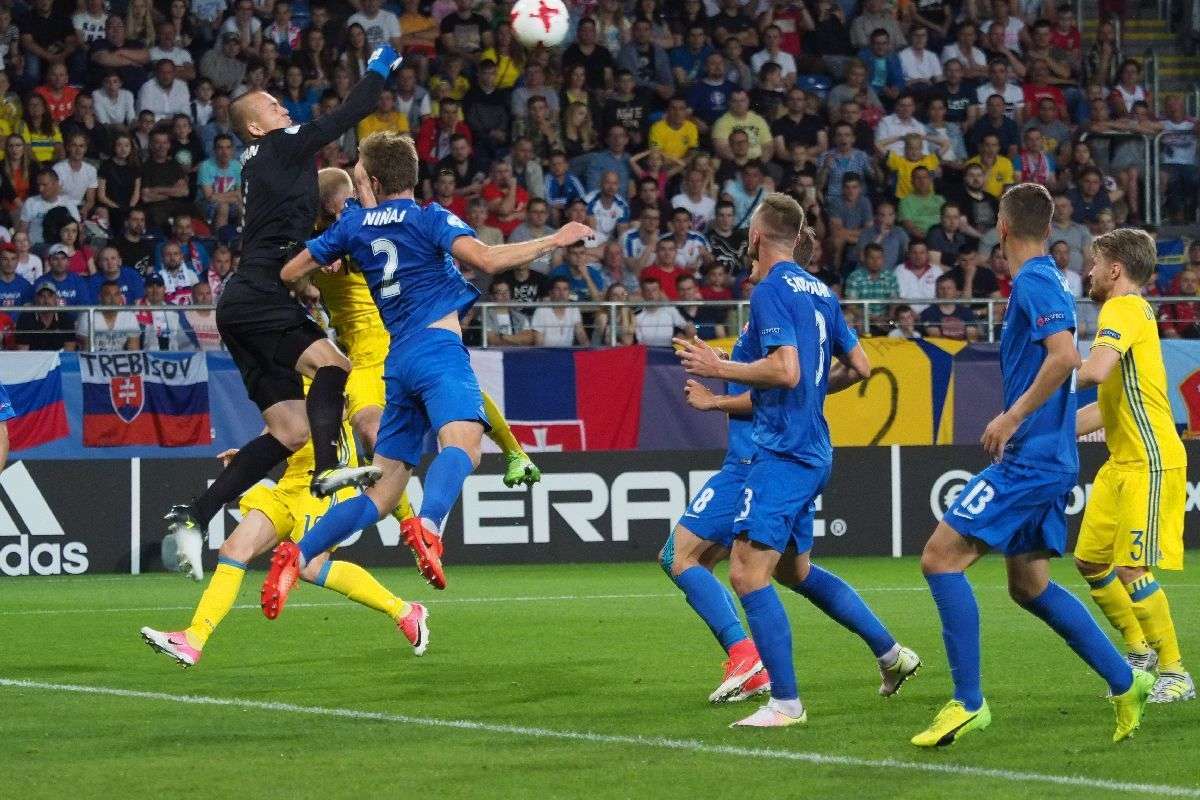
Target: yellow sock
(1116,604)
(404,509)
(345,577)
(218,598)
(501,434)
(1154,613)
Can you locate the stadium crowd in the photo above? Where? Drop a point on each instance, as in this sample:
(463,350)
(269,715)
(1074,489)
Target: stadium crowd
(896,123)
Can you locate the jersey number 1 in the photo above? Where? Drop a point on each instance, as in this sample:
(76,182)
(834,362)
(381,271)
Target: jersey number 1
(390,286)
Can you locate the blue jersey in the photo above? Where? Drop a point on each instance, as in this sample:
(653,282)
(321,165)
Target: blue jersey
(7,411)
(1040,306)
(404,253)
(17,292)
(132,286)
(741,429)
(790,307)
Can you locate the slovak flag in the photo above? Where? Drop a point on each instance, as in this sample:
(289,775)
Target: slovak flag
(562,400)
(145,398)
(34,384)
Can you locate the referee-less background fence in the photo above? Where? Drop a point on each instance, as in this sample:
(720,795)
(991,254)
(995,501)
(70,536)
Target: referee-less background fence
(75,517)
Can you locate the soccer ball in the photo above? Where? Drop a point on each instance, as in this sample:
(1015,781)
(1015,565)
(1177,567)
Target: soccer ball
(541,22)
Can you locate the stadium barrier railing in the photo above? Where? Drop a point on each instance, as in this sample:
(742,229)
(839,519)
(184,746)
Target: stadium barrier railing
(869,317)
(1150,186)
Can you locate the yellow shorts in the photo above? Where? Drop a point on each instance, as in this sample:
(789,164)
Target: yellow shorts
(291,508)
(1134,518)
(364,387)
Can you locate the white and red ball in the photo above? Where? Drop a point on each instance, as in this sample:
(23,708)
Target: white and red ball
(541,22)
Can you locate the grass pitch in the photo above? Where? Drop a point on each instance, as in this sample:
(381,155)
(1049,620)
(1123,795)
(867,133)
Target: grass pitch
(546,682)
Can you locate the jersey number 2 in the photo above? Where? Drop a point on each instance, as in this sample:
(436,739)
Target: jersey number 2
(822,336)
(390,286)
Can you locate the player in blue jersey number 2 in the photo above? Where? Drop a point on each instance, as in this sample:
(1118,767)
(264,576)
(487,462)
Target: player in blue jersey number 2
(407,254)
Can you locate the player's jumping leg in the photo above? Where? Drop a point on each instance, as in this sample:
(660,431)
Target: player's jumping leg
(337,524)
(688,561)
(1030,586)
(253,536)
(1153,613)
(944,561)
(844,605)
(357,584)
(1110,594)
(751,565)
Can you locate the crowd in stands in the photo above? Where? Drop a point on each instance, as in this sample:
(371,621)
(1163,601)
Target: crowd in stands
(897,124)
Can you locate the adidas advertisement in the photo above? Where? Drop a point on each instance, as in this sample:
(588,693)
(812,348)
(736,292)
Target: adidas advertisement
(589,507)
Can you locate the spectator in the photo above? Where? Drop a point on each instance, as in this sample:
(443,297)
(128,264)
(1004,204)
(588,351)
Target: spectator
(109,269)
(892,130)
(691,248)
(665,269)
(534,227)
(773,53)
(726,240)
(946,136)
(855,89)
(629,107)
(849,215)
(921,68)
(979,208)
(286,34)
(647,61)
(709,96)
(1038,87)
(219,271)
(18,175)
(638,245)
(36,208)
(675,135)
(468,171)
(657,325)
(963,50)
(80,258)
(506,200)
(874,17)
(488,113)
(688,59)
(83,122)
(1015,35)
(560,326)
(164,186)
(695,199)
(903,164)
(921,209)
(167,46)
(739,117)
(997,169)
(904,323)
(995,123)
(219,125)
(29,265)
(947,239)
(1060,251)
(885,76)
(71,288)
(39,131)
(110,330)
(829,38)
(526,285)
(1077,237)
(464,32)
(137,250)
(222,65)
(45,330)
(917,276)
(220,182)
(200,324)
(798,127)
(178,278)
(585,282)
(885,233)
(587,51)
(873,281)
(47,38)
(716,283)
(955,93)
(971,280)
(14,289)
(948,318)
(77,178)
(746,192)
(1089,200)
(1055,134)
(998,84)
(1178,162)
(194,254)
(89,23)
(161,330)
(507,327)
(437,134)
(614,159)
(58,95)
(527,168)
(625,326)
(709,322)
(542,128)
(1182,320)
(245,24)
(608,212)
(729,22)
(115,53)
(843,159)
(165,95)
(997,50)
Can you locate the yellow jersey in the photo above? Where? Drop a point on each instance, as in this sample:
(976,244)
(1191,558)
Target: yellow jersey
(1138,423)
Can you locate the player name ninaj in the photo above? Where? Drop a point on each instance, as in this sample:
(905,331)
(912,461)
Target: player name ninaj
(384,216)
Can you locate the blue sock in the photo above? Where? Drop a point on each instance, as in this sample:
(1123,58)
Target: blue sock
(1063,612)
(341,520)
(842,604)
(444,482)
(960,632)
(708,598)
(773,638)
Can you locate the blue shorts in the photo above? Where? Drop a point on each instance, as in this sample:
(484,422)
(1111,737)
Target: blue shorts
(711,512)
(1014,509)
(778,502)
(429,383)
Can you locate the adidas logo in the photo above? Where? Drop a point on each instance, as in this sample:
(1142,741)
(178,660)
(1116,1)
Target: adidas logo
(26,516)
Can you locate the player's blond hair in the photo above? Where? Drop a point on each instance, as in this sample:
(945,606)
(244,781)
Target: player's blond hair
(391,159)
(1132,248)
(1027,208)
(329,181)
(780,218)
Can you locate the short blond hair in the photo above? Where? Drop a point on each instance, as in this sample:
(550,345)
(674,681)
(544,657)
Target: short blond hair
(329,181)
(781,218)
(1132,248)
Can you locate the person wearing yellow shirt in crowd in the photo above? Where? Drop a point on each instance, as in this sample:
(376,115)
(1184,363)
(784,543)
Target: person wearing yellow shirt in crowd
(997,169)
(739,117)
(508,55)
(450,82)
(419,33)
(384,118)
(902,166)
(40,133)
(675,134)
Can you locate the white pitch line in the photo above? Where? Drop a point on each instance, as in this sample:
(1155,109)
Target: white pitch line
(652,742)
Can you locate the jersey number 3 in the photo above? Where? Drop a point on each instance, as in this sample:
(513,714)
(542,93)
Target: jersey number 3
(390,286)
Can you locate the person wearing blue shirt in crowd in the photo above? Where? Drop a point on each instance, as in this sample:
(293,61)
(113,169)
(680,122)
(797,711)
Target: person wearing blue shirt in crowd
(708,97)
(688,60)
(109,268)
(72,289)
(14,290)
(561,186)
(587,281)
(614,159)
(1017,506)
(884,72)
(408,255)
(795,333)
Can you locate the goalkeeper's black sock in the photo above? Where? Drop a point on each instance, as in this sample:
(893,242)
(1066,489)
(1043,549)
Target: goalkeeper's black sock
(248,467)
(325,405)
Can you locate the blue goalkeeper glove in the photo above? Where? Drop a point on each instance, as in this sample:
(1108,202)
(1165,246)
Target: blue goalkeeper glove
(385,60)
